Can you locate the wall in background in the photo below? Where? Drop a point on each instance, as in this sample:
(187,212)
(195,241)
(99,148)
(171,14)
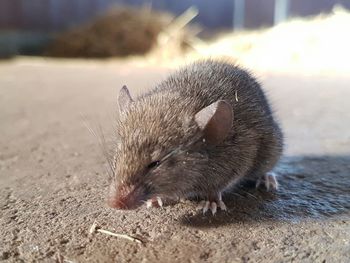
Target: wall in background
(56,15)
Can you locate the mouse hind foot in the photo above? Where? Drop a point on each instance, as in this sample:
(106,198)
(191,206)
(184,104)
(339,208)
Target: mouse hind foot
(269,180)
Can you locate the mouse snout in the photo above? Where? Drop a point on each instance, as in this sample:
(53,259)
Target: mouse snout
(125,197)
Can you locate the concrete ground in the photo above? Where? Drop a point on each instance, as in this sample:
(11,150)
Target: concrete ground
(53,181)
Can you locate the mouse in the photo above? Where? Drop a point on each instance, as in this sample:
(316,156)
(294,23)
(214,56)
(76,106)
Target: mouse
(198,133)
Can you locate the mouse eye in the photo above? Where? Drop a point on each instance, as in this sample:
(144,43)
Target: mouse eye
(153,164)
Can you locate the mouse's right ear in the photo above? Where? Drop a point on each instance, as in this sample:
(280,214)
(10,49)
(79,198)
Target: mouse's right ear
(215,121)
(124,99)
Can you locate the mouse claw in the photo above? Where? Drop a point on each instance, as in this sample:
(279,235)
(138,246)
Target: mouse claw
(213,208)
(222,205)
(154,202)
(200,205)
(159,201)
(182,200)
(206,207)
(149,203)
(270,181)
(212,205)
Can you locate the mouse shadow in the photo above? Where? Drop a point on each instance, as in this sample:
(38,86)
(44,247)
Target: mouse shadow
(314,187)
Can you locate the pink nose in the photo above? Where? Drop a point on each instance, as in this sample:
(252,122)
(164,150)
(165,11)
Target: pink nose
(117,203)
(125,197)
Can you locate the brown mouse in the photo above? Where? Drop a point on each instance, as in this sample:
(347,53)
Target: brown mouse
(202,130)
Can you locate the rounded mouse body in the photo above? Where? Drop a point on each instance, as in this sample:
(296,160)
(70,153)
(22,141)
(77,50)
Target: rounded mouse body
(199,132)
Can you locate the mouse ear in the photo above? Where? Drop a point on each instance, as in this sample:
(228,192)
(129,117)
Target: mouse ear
(215,121)
(124,98)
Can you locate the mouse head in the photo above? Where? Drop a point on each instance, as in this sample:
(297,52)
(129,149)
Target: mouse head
(163,146)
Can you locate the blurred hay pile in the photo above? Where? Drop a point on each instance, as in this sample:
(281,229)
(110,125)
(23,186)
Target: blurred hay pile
(318,44)
(121,32)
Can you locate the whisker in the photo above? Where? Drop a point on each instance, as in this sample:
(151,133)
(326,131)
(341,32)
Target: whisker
(105,149)
(253,196)
(101,142)
(236,194)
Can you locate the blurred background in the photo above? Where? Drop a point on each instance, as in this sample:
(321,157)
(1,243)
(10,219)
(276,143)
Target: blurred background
(294,47)
(62,65)
(300,33)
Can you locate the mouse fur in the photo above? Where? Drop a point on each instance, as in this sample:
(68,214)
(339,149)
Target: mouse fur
(197,133)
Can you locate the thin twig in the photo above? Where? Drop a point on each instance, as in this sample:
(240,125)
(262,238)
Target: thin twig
(134,239)
(94,228)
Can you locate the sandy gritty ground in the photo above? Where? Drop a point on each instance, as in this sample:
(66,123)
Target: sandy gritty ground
(53,180)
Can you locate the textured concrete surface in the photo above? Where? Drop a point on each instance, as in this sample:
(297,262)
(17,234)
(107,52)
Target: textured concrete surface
(53,179)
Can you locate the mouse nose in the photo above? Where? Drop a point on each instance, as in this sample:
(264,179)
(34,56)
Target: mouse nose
(117,203)
(125,197)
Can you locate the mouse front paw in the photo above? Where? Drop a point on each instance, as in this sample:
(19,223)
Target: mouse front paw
(212,204)
(154,202)
(270,181)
